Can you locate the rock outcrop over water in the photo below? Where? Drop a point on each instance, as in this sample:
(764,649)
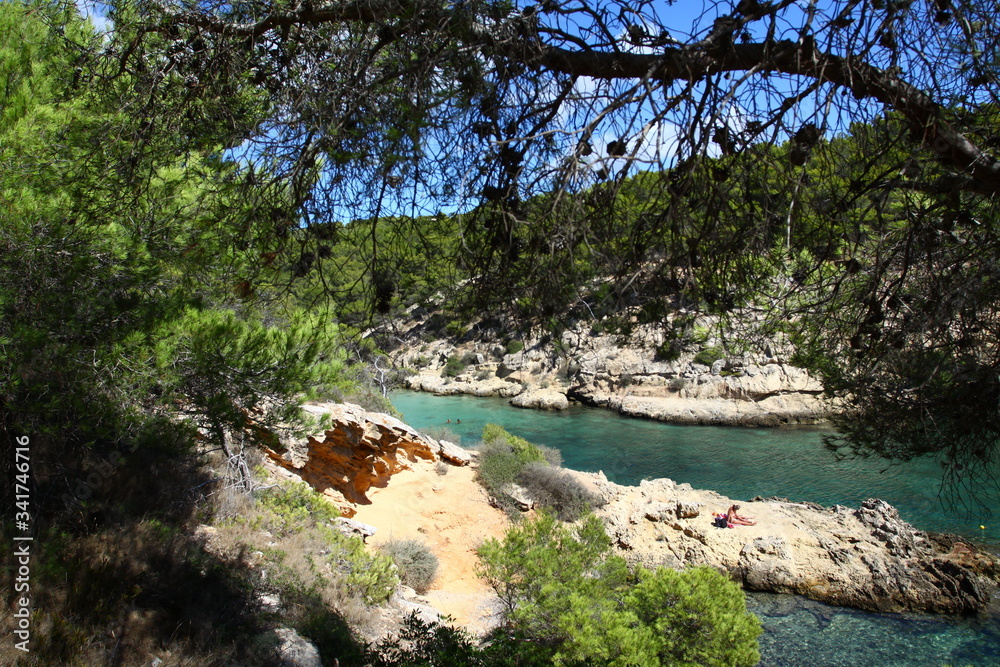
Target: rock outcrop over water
(866,557)
(599,370)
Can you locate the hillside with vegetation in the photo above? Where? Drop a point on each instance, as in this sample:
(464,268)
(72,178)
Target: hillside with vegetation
(214,212)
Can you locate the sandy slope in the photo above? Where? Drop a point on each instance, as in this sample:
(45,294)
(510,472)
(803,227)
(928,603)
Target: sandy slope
(452,515)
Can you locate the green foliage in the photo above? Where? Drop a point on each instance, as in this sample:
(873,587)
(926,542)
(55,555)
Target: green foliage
(498,466)
(453,367)
(502,459)
(709,356)
(416,563)
(295,506)
(525,451)
(456,329)
(372,576)
(698,616)
(556,490)
(514,346)
(228,366)
(291,509)
(563,589)
(420,644)
(131,281)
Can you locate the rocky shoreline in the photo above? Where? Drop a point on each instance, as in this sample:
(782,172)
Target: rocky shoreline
(864,557)
(599,370)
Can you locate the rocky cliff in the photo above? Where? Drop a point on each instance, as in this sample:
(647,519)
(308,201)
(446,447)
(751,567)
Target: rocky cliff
(360,451)
(703,385)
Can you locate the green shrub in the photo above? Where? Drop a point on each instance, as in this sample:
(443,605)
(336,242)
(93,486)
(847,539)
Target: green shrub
(563,590)
(525,451)
(514,346)
(700,335)
(502,459)
(295,506)
(421,643)
(498,466)
(557,490)
(456,329)
(669,350)
(453,367)
(371,576)
(709,356)
(416,563)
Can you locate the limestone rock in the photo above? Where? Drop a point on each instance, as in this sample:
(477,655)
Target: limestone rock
(359,451)
(353,528)
(542,399)
(688,510)
(520,496)
(454,454)
(868,557)
(601,370)
(291,649)
(660,512)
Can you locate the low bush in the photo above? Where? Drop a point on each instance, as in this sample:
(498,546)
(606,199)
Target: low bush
(557,490)
(456,329)
(416,563)
(453,367)
(295,506)
(525,451)
(502,459)
(498,466)
(709,356)
(370,576)
(514,346)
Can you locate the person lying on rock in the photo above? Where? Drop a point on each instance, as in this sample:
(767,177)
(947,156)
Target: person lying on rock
(736,519)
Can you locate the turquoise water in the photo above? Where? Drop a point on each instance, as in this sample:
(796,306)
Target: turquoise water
(743,463)
(737,462)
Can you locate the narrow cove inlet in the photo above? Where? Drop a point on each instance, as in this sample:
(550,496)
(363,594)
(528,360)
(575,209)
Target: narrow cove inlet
(745,463)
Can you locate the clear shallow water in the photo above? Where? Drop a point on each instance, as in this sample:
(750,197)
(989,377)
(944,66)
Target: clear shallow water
(743,463)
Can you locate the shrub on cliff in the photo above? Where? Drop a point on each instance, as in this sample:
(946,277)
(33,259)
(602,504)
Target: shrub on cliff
(709,356)
(557,490)
(502,459)
(453,367)
(525,451)
(564,592)
(416,563)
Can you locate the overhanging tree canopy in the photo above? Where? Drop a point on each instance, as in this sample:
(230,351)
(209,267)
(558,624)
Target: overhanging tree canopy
(830,163)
